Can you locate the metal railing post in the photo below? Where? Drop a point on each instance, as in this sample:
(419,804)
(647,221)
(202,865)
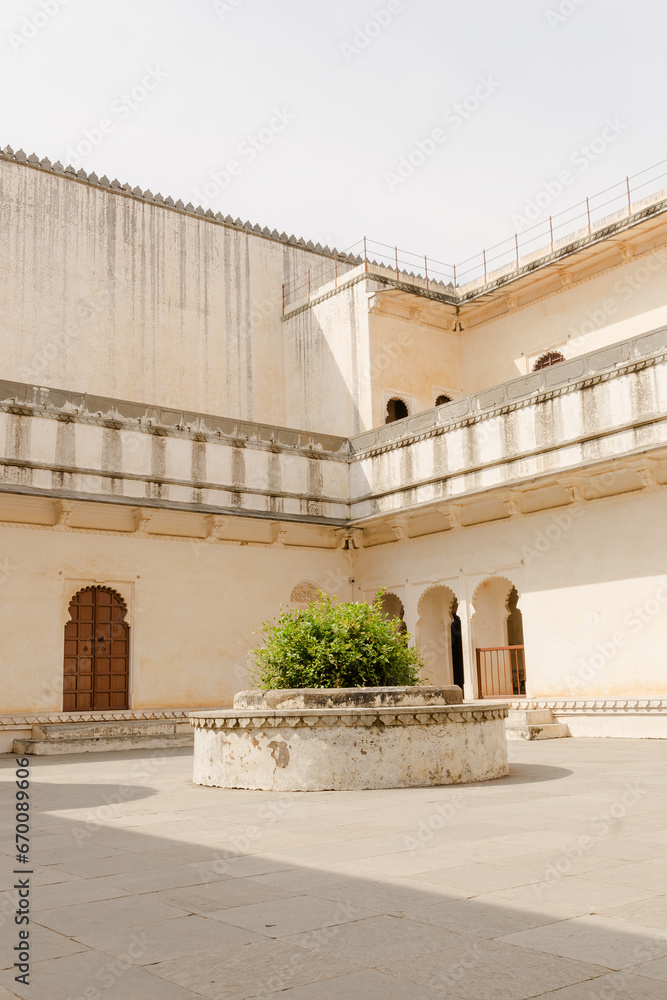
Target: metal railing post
(588,214)
(426,270)
(365,256)
(516,247)
(551,233)
(627,184)
(484,256)
(396,261)
(335,270)
(454,266)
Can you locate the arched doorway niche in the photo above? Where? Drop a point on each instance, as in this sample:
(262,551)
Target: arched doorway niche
(396,409)
(96,667)
(392,607)
(497,625)
(438,632)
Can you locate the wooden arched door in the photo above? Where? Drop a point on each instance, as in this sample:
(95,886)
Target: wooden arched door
(97,652)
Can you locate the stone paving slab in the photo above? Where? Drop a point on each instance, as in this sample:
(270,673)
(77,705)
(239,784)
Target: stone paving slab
(549,883)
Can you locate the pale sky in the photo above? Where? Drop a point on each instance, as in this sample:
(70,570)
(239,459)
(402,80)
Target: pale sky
(316,103)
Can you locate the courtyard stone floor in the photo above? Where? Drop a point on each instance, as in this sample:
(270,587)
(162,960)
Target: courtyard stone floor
(549,883)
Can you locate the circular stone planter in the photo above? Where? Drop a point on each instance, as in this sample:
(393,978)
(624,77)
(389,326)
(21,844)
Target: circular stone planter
(346,738)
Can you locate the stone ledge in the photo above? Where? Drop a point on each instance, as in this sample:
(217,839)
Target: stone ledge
(361,717)
(285,699)
(601,706)
(19,720)
(635,353)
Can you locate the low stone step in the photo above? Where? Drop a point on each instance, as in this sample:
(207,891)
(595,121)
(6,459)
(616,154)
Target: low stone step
(550,731)
(105,729)
(529,717)
(102,744)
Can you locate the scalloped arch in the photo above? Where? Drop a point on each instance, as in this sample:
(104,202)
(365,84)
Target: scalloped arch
(94,586)
(548,359)
(496,576)
(431,588)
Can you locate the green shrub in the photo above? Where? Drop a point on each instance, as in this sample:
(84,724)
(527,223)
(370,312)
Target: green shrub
(331,644)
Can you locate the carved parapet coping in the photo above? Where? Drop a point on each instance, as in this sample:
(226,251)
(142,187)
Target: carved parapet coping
(594,706)
(614,362)
(127,191)
(24,720)
(435,715)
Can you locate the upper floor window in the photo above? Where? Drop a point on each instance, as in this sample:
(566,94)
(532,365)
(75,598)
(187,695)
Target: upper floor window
(548,359)
(442,398)
(396,410)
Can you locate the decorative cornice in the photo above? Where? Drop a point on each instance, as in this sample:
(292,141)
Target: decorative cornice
(361,718)
(599,706)
(25,720)
(28,399)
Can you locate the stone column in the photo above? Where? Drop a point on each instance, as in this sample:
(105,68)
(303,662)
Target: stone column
(465,611)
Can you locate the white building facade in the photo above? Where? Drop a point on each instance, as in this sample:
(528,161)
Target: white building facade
(194,435)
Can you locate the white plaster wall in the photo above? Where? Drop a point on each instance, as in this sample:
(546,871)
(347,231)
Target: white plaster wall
(592,583)
(621,303)
(105,294)
(411,360)
(192,608)
(327,366)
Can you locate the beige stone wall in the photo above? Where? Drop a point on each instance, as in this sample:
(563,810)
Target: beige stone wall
(413,360)
(625,301)
(192,608)
(592,590)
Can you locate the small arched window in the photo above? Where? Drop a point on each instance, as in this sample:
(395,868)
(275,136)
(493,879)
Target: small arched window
(442,398)
(548,359)
(396,410)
